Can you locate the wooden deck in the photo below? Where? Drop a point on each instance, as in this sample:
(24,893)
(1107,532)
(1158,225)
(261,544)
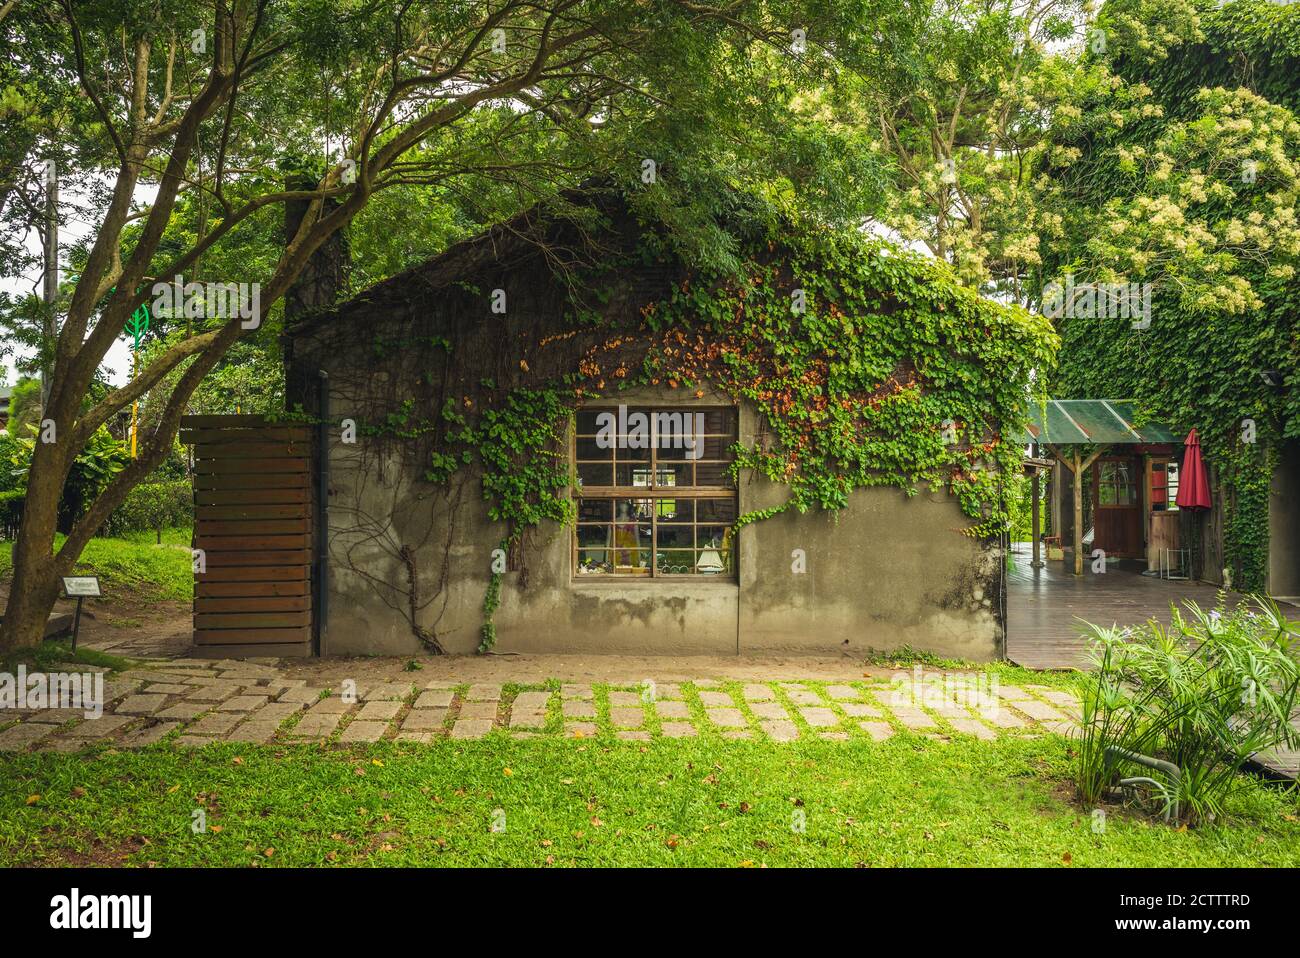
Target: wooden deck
(1046,609)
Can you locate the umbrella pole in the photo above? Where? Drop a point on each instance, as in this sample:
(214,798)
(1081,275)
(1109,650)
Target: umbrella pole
(1078,515)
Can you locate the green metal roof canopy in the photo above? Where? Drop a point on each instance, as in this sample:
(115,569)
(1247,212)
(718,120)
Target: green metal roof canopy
(1070,422)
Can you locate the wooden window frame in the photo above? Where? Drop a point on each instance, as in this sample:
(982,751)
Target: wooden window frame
(1133,483)
(655,492)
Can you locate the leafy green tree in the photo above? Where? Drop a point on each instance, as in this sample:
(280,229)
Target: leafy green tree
(220,103)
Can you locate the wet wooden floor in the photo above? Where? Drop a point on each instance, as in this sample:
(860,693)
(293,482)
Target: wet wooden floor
(1047,608)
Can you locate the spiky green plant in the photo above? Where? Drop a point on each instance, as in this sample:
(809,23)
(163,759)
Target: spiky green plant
(1206,693)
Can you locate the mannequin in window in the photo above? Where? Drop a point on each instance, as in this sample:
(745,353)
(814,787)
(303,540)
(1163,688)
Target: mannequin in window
(627,542)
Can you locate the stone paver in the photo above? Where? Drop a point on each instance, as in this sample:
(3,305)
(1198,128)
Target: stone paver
(379,711)
(843,693)
(627,717)
(258,733)
(860,710)
(531,701)
(770,710)
(580,729)
(970,726)
(877,730)
(678,729)
(803,696)
(576,691)
(913,717)
(275,712)
(620,698)
(359,731)
(333,705)
(210,693)
(424,720)
(527,718)
(306,696)
(727,717)
(757,693)
(20,736)
(215,723)
(1034,709)
(780,730)
(434,699)
(470,728)
(102,727)
(819,717)
(479,710)
(711,699)
(1003,717)
(242,703)
(672,710)
(578,708)
(315,726)
(184,711)
(162,688)
(389,691)
(484,692)
(149,734)
(141,704)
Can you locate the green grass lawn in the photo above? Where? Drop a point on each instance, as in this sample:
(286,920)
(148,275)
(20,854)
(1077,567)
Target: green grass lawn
(135,565)
(907,801)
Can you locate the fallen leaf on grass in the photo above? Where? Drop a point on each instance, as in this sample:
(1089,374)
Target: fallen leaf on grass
(33,799)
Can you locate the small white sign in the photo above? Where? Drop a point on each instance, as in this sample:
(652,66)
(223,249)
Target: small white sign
(81,585)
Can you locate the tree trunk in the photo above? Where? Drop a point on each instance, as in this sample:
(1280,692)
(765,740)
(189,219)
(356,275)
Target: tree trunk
(35,586)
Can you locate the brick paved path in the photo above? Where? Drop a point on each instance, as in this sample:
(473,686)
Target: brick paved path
(192,702)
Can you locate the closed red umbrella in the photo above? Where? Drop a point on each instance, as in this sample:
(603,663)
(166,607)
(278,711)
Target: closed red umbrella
(1193,483)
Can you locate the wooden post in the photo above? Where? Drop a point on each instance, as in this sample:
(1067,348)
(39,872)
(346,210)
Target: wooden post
(1036,526)
(1078,515)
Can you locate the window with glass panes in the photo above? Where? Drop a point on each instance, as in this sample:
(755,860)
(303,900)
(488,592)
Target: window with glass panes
(1115,484)
(1164,486)
(655,503)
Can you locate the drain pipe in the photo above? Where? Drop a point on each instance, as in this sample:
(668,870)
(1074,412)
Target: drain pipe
(322,510)
(1115,754)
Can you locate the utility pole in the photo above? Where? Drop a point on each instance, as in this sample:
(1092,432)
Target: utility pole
(51,330)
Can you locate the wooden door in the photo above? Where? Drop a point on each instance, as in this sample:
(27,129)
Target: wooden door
(1117,506)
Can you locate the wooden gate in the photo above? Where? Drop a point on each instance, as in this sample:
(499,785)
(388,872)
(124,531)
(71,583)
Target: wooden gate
(253,523)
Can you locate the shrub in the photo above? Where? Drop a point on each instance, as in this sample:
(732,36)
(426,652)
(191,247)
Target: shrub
(153,505)
(11,512)
(1205,694)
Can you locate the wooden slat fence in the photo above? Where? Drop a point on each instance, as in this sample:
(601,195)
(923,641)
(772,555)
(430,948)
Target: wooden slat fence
(253,521)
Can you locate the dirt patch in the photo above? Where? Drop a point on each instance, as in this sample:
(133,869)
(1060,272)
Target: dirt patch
(128,625)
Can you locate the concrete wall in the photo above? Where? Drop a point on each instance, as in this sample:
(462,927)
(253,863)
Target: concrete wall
(887,572)
(1284,524)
